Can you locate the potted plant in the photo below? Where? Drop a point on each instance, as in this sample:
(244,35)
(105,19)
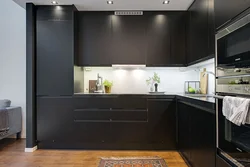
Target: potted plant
(155,80)
(107,86)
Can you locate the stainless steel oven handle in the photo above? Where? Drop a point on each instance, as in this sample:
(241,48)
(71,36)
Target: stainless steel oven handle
(219,97)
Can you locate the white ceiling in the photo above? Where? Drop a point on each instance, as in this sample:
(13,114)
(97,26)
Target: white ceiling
(101,5)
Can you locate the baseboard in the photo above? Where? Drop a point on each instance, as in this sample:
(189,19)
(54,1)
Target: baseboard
(30,150)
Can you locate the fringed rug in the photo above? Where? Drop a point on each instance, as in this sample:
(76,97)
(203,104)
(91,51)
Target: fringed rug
(133,162)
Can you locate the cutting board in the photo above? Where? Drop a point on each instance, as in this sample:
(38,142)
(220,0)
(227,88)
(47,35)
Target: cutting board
(203,81)
(92,86)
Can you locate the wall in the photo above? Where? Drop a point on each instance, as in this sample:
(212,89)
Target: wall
(134,80)
(13,55)
(210,66)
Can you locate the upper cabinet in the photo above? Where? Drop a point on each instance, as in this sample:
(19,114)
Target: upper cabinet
(128,39)
(94,39)
(154,39)
(158,40)
(226,10)
(166,38)
(200,32)
(178,25)
(55,50)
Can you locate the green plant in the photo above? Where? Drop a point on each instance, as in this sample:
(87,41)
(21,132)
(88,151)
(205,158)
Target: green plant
(107,83)
(155,79)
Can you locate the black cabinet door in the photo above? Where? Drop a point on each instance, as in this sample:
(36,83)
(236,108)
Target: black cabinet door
(225,10)
(184,129)
(162,122)
(198,31)
(178,23)
(158,39)
(55,56)
(202,141)
(128,39)
(95,35)
(54,119)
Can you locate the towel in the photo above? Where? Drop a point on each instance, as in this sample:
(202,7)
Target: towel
(236,110)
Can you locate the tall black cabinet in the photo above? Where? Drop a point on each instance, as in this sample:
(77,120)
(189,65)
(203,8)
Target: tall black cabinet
(55,50)
(200,32)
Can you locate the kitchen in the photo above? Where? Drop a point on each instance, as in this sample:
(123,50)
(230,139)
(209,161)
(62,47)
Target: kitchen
(117,79)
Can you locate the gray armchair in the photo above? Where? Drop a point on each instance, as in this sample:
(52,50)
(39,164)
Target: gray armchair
(10,119)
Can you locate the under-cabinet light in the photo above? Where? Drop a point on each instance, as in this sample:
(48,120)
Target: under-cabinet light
(54,2)
(110,2)
(166,2)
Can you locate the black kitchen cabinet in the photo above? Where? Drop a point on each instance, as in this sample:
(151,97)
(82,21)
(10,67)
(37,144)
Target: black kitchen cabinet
(226,10)
(158,40)
(162,122)
(178,25)
(54,120)
(128,39)
(200,32)
(55,51)
(184,129)
(196,134)
(94,39)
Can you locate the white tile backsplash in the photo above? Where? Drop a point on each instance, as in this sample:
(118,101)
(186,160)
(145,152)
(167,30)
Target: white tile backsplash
(134,80)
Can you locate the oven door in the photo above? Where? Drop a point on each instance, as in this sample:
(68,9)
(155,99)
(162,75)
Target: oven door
(233,45)
(233,141)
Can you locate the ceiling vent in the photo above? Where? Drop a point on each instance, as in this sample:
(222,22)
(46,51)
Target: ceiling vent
(118,13)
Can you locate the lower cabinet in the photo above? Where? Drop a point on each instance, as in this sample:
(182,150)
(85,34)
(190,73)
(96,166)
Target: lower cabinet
(54,119)
(162,122)
(196,134)
(106,123)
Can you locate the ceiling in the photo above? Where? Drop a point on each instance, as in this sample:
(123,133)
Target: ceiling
(101,5)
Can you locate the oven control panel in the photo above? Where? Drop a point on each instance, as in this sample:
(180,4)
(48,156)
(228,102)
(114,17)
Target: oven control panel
(235,89)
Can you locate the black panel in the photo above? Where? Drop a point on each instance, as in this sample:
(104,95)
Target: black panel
(200,32)
(31,75)
(162,122)
(95,35)
(54,13)
(129,132)
(158,39)
(178,25)
(55,56)
(226,10)
(55,119)
(196,134)
(128,39)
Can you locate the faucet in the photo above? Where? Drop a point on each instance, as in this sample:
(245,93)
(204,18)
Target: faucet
(99,87)
(208,72)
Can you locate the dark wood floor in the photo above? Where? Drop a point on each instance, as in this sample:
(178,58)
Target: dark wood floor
(12,155)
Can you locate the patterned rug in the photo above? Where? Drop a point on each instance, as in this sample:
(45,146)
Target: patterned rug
(133,162)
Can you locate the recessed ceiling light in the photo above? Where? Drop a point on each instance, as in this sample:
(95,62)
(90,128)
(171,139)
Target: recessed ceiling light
(166,2)
(110,2)
(54,2)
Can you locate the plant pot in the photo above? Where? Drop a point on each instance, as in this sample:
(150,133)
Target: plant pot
(107,89)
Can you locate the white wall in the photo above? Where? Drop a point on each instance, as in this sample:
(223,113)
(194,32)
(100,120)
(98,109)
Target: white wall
(134,80)
(13,55)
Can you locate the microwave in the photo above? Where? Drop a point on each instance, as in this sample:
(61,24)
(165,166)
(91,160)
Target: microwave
(233,45)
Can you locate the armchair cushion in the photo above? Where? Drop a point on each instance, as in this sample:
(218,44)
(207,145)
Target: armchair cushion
(5,103)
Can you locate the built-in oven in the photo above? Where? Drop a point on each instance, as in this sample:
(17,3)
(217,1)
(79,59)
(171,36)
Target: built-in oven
(233,45)
(233,141)
(233,79)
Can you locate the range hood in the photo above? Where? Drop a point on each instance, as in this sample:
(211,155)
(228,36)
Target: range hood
(128,66)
